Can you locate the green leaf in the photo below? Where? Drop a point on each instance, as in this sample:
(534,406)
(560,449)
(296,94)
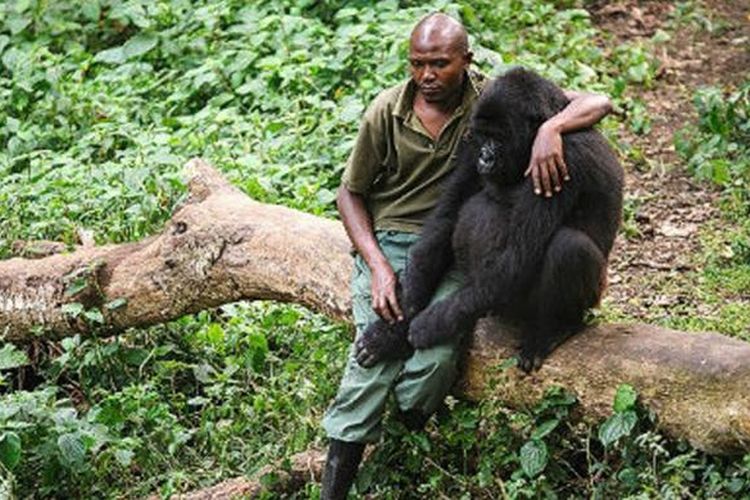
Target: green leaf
(72,449)
(116,304)
(18,24)
(617,426)
(91,9)
(215,335)
(257,350)
(72,309)
(78,285)
(4,41)
(124,457)
(94,316)
(545,428)
(11,357)
(534,457)
(111,56)
(139,45)
(625,398)
(10,449)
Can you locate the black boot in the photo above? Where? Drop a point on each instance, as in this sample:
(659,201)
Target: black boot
(341,468)
(413,420)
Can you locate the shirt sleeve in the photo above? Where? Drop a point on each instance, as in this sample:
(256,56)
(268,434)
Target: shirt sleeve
(367,157)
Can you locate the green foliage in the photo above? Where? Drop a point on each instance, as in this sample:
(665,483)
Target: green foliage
(622,423)
(489,451)
(11,357)
(102,104)
(209,396)
(717,149)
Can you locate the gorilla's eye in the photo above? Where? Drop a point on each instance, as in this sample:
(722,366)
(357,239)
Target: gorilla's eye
(487,156)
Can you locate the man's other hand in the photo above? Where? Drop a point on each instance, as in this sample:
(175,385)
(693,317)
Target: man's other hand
(384,295)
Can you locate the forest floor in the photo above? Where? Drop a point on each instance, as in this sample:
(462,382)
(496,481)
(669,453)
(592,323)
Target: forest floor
(656,267)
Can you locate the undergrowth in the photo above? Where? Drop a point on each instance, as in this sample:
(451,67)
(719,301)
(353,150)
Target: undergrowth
(717,150)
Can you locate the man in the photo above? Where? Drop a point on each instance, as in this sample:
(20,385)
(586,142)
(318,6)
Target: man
(392,180)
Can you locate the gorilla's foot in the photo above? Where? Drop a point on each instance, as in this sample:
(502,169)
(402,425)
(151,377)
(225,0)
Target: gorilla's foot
(438,324)
(532,356)
(535,349)
(424,329)
(382,341)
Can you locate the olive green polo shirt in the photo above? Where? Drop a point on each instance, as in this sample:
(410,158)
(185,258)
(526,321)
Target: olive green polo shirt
(396,165)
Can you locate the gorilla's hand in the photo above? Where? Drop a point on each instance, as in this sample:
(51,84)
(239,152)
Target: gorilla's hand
(382,341)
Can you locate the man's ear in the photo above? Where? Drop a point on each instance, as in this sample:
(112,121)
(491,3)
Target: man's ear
(468,57)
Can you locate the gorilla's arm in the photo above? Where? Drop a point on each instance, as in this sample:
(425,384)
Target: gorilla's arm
(429,260)
(432,255)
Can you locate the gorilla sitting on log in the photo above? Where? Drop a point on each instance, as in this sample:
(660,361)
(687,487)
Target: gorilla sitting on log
(540,263)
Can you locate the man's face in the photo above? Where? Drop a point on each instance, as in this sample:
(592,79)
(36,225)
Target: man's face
(437,67)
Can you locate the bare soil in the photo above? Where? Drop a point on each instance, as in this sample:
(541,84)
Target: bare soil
(656,266)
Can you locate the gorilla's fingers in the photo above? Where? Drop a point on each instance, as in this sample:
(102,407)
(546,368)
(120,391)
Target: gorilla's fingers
(361,357)
(367,360)
(381,341)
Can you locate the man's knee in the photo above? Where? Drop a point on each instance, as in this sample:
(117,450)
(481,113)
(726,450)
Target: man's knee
(426,378)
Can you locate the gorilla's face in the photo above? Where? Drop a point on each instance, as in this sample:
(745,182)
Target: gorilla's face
(502,134)
(489,155)
(490,145)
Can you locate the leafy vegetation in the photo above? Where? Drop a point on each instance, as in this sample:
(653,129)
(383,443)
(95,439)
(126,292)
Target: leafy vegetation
(104,100)
(717,150)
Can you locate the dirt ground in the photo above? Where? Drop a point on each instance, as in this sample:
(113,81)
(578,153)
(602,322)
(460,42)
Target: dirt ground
(652,269)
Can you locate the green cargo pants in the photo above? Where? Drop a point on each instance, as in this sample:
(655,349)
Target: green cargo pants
(419,383)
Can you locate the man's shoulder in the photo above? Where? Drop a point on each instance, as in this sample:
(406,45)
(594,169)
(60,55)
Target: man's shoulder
(478,80)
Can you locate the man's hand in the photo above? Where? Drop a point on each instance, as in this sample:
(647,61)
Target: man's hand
(383,287)
(547,165)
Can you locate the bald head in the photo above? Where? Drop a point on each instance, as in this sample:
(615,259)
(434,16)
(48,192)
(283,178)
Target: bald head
(439,58)
(438,29)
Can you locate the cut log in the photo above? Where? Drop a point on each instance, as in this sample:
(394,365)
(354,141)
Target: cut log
(220,246)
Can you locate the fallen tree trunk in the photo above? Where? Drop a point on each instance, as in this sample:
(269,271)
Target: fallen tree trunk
(220,246)
(279,482)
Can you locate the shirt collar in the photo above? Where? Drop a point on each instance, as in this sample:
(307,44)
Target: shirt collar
(405,103)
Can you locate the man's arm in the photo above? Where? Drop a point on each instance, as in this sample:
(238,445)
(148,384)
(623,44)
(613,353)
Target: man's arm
(547,165)
(358,226)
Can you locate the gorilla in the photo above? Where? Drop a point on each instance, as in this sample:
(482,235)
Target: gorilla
(538,262)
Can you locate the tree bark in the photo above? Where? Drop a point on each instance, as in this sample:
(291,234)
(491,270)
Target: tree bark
(303,467)
(220,246)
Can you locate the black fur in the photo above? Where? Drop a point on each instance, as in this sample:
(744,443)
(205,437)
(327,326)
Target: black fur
(539,262)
